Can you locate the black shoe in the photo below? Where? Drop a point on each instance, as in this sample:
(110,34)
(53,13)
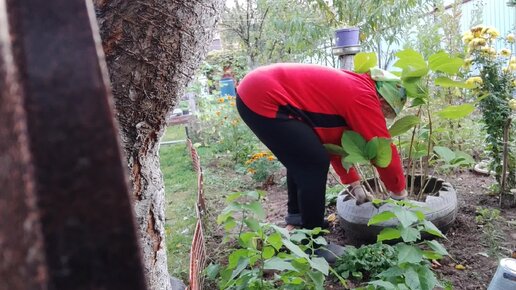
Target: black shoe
(294,219)
(330,252)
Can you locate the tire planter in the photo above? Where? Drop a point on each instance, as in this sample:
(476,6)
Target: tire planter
(440,208)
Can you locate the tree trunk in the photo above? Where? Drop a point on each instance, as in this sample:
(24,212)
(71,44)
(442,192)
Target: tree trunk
(152,49)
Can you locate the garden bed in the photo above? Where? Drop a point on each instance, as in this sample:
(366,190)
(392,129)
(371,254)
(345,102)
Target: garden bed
(467,242)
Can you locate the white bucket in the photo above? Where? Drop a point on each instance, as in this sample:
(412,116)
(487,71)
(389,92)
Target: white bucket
(505,276)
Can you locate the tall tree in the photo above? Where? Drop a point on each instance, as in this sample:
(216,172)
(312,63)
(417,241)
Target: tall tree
(276,30)
(152,49)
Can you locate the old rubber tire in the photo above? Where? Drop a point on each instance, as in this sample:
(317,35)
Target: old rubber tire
(440,209)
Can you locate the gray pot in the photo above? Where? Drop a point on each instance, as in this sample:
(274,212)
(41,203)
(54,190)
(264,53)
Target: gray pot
(441,209)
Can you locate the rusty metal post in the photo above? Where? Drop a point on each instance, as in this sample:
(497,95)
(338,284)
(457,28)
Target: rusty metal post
(66,217)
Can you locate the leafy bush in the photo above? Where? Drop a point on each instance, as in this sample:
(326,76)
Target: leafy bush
(265,248)
(222,127)
(407,264)
(262,166)
(366,261)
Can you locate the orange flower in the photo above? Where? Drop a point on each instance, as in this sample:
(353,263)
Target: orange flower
(270,158)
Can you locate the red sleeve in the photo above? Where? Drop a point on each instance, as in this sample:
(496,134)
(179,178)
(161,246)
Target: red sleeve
(346,177)
(365,117)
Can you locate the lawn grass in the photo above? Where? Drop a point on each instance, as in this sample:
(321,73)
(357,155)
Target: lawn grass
(181,194)
(173,133)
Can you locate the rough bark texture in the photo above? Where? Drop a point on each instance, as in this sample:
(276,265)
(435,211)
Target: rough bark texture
(152,49)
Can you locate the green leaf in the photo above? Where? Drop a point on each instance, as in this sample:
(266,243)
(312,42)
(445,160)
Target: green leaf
(283,231)
(437,247)
(418,102)
(468,159)
(256,208)
(404,124)
(443,62)
(279,264)
(229,224)
(394,271)
(364,61)
(431,255)
(268,252)
(456,112)
(427,278)
(236,256)
(409,254)
(212,271)
(410,235)
(446,82)
(318,279)
(335,149)
(383,153)
(420,215)
(371,148)
(252,223)
(386,285)
(320,241)
(356,159)
(275,241)
(412,63)
(233,196)
(381,217)
(412,279)
(353,143)
(346,164)
(295,249)
(445,153)
(320,264)
(242,264)
(432,229)
(248,240)
(388,234)
(405,216)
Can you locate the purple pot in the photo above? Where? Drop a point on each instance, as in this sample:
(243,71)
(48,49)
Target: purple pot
(347,37)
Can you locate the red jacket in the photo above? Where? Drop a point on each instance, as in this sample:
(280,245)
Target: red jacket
(330,101)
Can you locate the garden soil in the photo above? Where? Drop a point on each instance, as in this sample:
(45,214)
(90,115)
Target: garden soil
(466,240)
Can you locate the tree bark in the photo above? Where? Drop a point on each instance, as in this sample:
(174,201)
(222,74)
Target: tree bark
(152,49)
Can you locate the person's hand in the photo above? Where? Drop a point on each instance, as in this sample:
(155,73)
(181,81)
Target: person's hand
(398,196)
(361,194)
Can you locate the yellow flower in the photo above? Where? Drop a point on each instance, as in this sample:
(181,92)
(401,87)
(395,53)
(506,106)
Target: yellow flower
(510,38)
(477,30)
(232,103)
(512,104)
(250,170)
(513,59)
(221,100)
(467,37)
(477,81)
(270,158)
(218,113)
(492,32)
(512,66)
(234,122)
(485,49)
(505,52)
(467,63)
(514,83)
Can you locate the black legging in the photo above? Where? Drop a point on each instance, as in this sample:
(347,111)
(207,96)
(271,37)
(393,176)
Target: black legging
(298,148)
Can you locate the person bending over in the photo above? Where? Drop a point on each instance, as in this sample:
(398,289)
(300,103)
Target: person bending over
(296,108)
